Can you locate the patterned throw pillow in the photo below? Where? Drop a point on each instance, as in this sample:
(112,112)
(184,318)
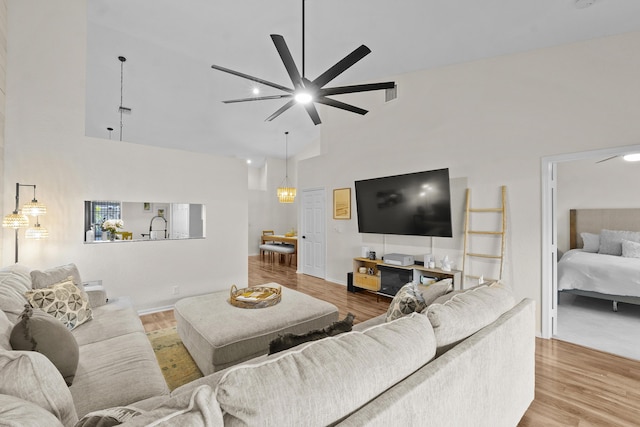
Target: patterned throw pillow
(64,301)
(407,300)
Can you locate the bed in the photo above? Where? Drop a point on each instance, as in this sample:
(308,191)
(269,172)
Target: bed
(583,271)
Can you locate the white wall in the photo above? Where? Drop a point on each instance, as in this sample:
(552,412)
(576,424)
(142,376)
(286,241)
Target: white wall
(586,184)
(490,122)
(265,212)
(45,145)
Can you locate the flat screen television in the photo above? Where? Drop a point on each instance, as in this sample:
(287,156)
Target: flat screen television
(416,204)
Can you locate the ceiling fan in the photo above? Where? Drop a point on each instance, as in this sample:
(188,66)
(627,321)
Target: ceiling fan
(305,91)
(630,157)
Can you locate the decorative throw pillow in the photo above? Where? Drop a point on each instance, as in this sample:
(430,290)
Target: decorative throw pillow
(611,241)
(590,242)
(407,300)
(289,340)
(45,278)
(630,249)
(109,417)
(37,331)
(64,301)
(435,290)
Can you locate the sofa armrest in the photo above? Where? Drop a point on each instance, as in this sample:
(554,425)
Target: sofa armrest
(97,295)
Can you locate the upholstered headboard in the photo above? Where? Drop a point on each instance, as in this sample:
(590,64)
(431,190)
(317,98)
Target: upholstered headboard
(594,220)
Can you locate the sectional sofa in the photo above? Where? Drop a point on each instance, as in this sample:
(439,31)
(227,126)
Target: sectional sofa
(466,360)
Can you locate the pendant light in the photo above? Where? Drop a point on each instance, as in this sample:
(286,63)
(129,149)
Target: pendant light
(286,193)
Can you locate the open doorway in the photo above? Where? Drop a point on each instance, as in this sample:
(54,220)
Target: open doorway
(577,181)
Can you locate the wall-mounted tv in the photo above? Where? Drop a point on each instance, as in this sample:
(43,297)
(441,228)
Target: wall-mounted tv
(417,204)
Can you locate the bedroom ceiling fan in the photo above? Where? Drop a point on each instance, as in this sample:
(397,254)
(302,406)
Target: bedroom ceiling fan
(305,91)
(631,157)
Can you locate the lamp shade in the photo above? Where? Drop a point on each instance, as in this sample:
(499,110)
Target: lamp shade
(34,208)
(15,220)
(37,232)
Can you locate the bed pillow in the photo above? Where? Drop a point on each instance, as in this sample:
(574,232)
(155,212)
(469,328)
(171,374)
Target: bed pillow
(590,242)
(630,249)
(611,241)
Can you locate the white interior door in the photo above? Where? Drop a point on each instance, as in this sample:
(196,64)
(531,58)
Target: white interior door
(312,239)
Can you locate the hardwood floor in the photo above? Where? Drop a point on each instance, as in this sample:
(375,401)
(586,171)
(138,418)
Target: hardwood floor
(575,386)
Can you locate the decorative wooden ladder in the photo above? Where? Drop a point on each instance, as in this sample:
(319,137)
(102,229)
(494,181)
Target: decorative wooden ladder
(502,233)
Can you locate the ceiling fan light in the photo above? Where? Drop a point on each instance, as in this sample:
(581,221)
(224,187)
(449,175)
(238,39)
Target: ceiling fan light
(633,157)
(303,98)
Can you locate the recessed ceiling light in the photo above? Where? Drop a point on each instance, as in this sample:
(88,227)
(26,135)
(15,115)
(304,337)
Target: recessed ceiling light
(248,161)
(255,91)
(303,97)
(633,157)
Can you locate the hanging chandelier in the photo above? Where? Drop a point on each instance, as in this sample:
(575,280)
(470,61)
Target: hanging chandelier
(286,193)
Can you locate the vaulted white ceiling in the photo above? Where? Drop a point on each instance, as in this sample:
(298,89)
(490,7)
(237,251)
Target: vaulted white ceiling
(175,96)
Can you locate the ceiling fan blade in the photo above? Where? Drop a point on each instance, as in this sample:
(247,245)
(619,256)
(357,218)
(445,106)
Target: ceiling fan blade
(608,158)
(257,98)
(287,60)
(313,113)
(281,110)
(255,79)
(341,105)
(341,66)
(356,88)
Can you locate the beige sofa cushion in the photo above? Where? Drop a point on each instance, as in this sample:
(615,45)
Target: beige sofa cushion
(344,373)
(116,372)
(467,312)
(16,412)
(5,331)
(29,375)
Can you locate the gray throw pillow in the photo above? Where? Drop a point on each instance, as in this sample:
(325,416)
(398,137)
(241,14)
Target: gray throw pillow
(435,290)
(590,242)
(38,331)
(611,241)
(45,278)
(408,300)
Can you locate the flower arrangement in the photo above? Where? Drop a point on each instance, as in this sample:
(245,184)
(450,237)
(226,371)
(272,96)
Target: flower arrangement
(112,225)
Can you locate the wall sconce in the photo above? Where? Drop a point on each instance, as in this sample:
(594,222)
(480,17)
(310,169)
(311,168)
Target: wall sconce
(18,218)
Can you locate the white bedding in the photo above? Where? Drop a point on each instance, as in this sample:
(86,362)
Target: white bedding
(606,274)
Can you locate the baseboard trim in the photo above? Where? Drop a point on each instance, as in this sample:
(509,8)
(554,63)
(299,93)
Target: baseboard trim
(155,310)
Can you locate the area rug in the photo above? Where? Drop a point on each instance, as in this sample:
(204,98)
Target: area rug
(175,361)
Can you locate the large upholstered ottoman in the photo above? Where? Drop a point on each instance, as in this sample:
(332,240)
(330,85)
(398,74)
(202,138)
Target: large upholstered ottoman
(218,334)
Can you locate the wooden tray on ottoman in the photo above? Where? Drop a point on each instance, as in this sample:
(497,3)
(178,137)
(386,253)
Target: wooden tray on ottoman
(255,296)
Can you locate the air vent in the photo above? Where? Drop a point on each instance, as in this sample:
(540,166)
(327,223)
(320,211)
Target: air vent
(391,94)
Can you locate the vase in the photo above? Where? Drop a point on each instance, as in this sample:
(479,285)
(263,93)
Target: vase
(112,236)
